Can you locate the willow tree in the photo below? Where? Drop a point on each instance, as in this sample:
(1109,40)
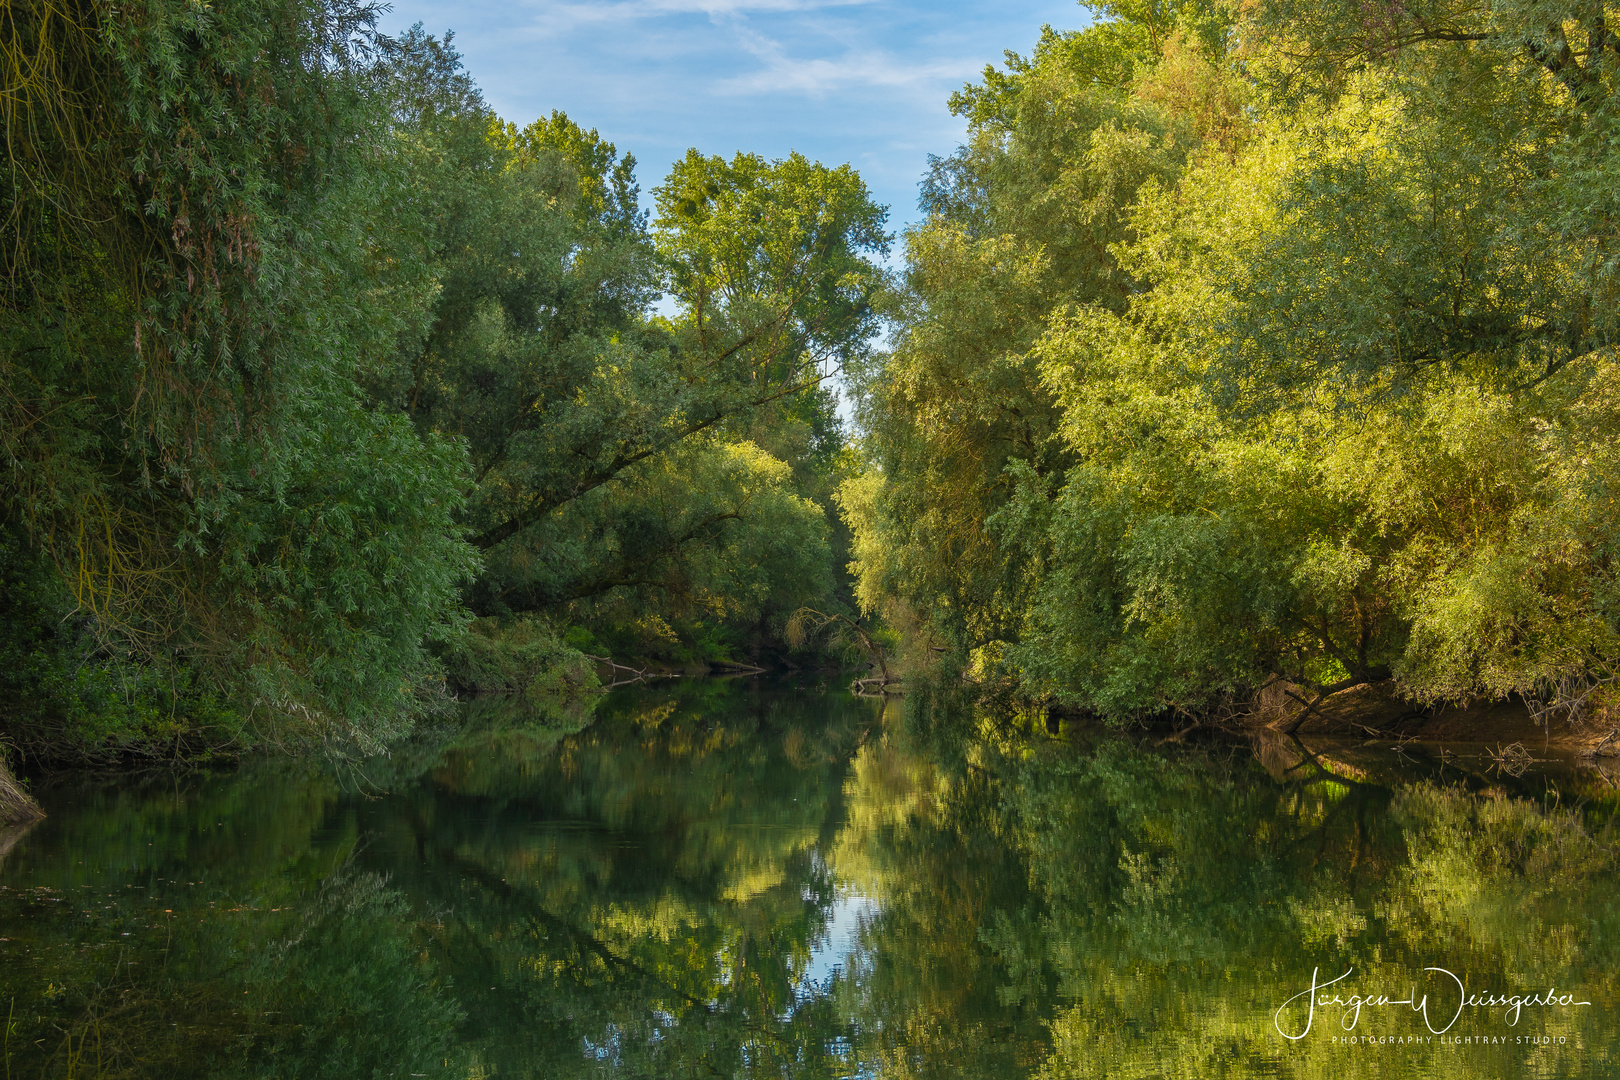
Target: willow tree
(1336,404)
(1022,222)
(629,467)
(194,278)
(1360,426)
(1356,423)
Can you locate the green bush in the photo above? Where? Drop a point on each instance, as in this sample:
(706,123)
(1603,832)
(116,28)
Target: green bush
(69,696)
(520,655)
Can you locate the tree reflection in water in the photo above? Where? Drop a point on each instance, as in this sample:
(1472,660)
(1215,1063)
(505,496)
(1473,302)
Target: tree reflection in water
(741,880)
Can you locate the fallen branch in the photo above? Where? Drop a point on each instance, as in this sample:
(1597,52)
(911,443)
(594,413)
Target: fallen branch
(862,687)
(1322,694)
(636,674)
(808,620)
(741,669)
(1512,759)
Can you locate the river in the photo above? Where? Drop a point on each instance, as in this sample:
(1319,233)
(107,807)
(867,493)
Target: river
(776,879)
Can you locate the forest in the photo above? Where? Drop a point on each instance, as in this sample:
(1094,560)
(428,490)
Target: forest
(1236,344)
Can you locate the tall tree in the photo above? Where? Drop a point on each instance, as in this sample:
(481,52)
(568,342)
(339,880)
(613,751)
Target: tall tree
(1349,416)
(610,445)
(1022,223)
(192,283)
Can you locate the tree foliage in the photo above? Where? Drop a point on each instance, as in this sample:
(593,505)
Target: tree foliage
(1342,407)
(307,357)
(193,284)
(617,454)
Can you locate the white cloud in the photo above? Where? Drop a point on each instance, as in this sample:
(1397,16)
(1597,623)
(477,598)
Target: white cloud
(560,18)
(829,51)
(863,81)
(818,77)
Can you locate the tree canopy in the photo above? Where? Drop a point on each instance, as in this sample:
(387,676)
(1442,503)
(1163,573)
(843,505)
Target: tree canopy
(309,359)
(1235,344)
(1273,343)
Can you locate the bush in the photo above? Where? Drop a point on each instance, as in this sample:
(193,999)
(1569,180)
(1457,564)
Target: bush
(520,655)
(70,696)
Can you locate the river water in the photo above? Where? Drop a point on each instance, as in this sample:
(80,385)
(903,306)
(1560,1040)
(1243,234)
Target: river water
(746,879)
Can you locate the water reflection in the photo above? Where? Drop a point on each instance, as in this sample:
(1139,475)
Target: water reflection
(740,880)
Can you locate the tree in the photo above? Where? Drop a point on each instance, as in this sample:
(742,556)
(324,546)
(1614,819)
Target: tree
(193,285)
(1023,223)
(615,452)
(1316,414)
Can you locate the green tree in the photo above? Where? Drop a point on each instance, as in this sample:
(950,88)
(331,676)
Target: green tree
(194,282)
(1023,223)
(1333,404)
(615,453)
(1337,438)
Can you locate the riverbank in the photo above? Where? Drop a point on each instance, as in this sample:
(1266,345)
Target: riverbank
(1377,710)
(16,806)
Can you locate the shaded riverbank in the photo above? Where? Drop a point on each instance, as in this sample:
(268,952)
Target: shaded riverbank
(1377,710)
(17,807)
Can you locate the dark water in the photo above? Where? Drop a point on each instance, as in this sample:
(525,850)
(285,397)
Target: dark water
(724,879)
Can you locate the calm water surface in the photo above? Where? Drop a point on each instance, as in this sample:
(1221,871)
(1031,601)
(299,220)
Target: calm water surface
(769,880)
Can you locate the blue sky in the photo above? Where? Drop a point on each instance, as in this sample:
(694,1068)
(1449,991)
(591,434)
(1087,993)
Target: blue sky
(862,81)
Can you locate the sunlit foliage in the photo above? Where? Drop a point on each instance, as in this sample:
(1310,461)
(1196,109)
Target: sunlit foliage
(1342,408)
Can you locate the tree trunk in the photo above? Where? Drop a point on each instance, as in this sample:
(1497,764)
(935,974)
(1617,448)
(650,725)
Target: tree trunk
(15,805)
